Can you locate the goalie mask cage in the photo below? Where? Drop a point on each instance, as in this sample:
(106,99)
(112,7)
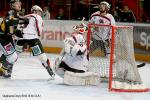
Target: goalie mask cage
(114,60)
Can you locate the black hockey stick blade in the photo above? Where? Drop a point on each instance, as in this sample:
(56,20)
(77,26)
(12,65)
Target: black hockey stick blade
(141,65)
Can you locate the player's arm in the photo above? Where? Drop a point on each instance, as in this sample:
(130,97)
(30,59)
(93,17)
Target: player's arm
(40,24)
(12,21)
(93,21)
(68,44)
(112,19)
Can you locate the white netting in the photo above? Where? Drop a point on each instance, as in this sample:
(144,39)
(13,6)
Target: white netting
(99,60)
(114,60)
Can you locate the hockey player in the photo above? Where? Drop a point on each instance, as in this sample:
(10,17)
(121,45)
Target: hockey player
(7,29)
(72,65)
(101,36)
(31,34)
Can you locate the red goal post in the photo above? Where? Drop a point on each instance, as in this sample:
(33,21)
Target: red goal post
(113,57)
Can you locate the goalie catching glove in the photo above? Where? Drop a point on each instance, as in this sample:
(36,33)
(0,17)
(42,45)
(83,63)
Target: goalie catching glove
(18,33)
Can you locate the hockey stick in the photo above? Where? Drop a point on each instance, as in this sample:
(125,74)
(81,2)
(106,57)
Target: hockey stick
(141,65)
(82,21)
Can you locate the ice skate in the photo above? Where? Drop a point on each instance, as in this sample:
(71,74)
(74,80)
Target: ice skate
(5,73)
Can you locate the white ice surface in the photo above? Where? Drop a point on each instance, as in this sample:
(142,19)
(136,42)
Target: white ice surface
(29,78)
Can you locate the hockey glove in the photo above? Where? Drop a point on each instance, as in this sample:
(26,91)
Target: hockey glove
(80,53)
(18,33)
(24,21)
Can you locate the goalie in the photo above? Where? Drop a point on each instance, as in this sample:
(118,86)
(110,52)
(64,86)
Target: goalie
(72,65)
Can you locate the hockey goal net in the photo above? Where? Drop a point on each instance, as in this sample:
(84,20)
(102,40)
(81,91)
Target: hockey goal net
(113,58)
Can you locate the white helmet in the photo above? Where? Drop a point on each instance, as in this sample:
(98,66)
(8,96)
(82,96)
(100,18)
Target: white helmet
(36,8)
(106,3)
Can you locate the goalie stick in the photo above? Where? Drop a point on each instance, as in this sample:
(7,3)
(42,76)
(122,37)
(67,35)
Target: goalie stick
(141,65)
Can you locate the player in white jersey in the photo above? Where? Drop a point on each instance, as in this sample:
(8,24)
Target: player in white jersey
(101,35)
(72,65)
(31,34)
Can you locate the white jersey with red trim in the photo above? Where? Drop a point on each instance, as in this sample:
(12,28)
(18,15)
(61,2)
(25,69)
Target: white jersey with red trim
(34,28)
(97,18)
(70,56)
(101,33)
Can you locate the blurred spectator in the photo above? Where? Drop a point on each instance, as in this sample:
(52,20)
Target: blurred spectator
(145,18)
(46,13)
(22,12)
(116,14)
(61,15)
(127,15)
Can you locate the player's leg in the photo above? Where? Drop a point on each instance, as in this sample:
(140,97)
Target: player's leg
(57,68)
(37,50)
(98,44)
(60,71)
(46,63)
(93,45)
(8,58)
(21,45)
(107,47)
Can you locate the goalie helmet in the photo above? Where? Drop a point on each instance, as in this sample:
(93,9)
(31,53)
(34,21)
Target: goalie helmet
(106,3)
(81,28)
(36,8)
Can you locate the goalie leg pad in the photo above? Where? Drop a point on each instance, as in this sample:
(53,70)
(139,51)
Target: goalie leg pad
(81,79)
(59,71)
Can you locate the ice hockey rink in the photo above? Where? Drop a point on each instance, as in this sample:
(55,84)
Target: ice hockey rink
(30,81)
